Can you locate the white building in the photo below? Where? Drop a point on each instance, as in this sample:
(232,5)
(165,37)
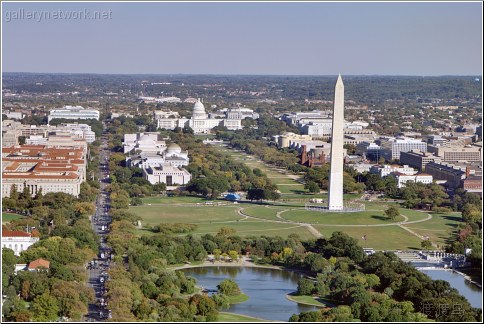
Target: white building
(172,155)
(200,123)
(391,147)
(160,163)
(402,179)
(36,140)
(143,142)
(73,112)
(160,100)
(168,174)
(82,131)
(17,241)
(385,170)
(14,114)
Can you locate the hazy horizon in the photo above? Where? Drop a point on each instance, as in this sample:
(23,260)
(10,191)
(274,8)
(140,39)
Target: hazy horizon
(279,39)
(240,74)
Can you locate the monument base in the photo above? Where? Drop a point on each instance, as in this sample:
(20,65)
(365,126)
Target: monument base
(349,207)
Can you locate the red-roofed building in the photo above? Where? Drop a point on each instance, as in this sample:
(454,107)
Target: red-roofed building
(39,264)
(40,167)
(17,241)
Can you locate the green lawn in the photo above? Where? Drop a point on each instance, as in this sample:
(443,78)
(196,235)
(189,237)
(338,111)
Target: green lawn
(378,237)
(263,212)
(294,189)
(413,215)
(231,317)
(173,200)
(257,228)
(439,229)
(7,217)
(356,218)
(153,215)
(306,300)
(240,298)
(282,179)
(209,219)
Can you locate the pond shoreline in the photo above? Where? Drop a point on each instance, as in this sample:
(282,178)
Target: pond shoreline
(244,262)
(266,287)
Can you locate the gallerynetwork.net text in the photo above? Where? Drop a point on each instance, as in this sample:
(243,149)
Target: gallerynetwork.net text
(40,15)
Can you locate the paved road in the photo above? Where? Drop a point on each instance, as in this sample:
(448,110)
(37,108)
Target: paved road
(100,221)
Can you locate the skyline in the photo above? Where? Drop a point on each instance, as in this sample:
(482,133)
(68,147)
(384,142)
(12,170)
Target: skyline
(398,39)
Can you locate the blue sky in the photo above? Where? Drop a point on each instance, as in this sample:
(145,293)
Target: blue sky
(247,38)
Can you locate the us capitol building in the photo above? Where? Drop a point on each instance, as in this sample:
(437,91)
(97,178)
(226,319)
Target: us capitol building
(200,122)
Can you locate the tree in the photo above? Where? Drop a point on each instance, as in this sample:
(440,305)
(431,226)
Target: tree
(312,187)
(233,255)
(45,308)
(305,287)
(392,212)
(226,232)
(426,244)
(255,194)
(222,301)
(228,287)
(8,266)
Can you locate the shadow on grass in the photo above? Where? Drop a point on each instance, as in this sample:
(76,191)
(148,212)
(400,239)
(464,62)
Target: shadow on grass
(452,218)
(414,248)
(380,217)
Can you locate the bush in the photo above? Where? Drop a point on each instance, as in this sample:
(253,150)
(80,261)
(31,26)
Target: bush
(228,287)
(174,228)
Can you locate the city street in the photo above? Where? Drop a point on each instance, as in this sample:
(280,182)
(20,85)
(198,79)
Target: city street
(98,267)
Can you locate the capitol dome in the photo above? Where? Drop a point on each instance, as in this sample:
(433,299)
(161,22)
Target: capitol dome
(173,148)
(199,109)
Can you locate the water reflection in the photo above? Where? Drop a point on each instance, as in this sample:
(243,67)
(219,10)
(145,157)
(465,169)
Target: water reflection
(266,288)
(470,291)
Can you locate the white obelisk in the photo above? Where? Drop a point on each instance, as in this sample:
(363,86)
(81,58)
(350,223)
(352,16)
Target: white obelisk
(336,171)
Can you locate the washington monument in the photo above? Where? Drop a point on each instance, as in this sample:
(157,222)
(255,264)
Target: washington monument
(336,171)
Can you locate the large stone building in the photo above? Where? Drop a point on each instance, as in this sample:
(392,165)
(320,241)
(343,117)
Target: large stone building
(73,112)
(200,122)
(386,170)
(160,163)
(446,172)
(12,130)
(143,142)
(402,178)
(36,167)
(418,159)
(391,147)
(17,241)
(455,153)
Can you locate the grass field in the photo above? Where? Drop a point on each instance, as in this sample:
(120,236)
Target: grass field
(153,215)
(356,218)
(231,317)
(378,238)
(240,298)
(440,228)
(173,200)
(310,300)
(7,217)
(263,212)
(210,219)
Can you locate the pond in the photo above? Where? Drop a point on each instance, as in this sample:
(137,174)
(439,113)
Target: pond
(467,289)
(266,288)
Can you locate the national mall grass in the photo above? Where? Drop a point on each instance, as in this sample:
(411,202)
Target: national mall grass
(381,233)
